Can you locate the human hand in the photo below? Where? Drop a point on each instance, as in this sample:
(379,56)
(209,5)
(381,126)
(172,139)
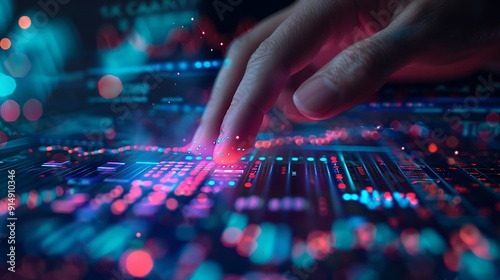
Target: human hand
(310,60)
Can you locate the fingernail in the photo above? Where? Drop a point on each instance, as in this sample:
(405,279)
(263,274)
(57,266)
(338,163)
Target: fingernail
(230,149)
(315,97)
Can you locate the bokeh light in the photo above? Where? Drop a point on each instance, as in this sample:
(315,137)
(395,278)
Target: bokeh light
(5,43)
(493,119)
(10,111)
(32,109)
(139,263)
(110,86)
(3,139)
(24,22)
(18,64)
(7,85)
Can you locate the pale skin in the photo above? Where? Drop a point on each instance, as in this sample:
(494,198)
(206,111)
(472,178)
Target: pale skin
(309,60)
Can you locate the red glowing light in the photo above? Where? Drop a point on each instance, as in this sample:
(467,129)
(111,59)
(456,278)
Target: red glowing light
(433,148)
(10,111)
(118,207)
(110,86)
(248,185)
(493,119)
(24,22)
(5,43)
(32,110)
(139,263)
(342,186)
(172,204)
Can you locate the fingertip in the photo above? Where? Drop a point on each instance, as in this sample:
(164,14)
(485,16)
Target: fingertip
(229,150)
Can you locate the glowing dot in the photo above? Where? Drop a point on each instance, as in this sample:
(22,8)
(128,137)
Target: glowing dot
(139,263)
(172,204)
(248,185)
(237,137)
(192,19)
(110,86)
(10,111)
(433,148)
(32,109)
(203,32)
(456,152)
(198,65)
(310,159)
(207,64)
(5,43)
(24,22)
(222,44)
(493,119)
(138,234)
(8,85)
(452,142)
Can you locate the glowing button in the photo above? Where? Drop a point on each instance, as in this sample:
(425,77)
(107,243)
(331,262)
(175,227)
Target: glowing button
(211,183)
(231,183)
(279,158)
(310,159)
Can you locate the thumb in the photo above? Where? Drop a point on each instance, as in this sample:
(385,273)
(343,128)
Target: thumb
(353,74)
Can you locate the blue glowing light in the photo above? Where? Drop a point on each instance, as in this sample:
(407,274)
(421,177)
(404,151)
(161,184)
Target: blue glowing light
(227,62)
(211,183)
(169,66)
(346,196)
(7,85)
(183,65)
(189,157)
(279,158)
(199,158)
(295,159)
(207,64)
(209,158)
(198,64)
(215,63)
(231,183)
(262,158)
(354,196)
(310,159)
(323,159)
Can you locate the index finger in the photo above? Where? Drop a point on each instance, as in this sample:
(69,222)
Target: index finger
(286,51)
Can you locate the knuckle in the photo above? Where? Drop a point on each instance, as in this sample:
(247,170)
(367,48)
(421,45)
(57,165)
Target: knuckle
(266,50)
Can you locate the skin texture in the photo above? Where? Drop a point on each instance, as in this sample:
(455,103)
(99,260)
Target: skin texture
(318,58)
